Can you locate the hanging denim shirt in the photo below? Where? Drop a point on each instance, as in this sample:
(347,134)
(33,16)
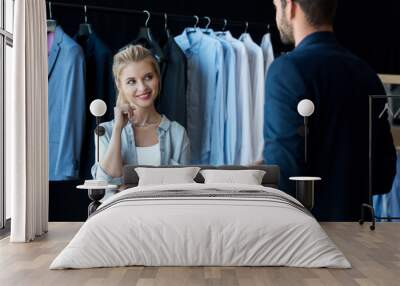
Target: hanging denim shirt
(66,107)
(172,137)
(205,83)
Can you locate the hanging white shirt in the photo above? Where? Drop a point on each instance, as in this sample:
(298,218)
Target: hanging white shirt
(256,65)
(268,52)
(149,155)
(243,88)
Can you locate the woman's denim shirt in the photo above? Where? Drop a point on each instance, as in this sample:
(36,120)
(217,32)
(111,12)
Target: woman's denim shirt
(174,147)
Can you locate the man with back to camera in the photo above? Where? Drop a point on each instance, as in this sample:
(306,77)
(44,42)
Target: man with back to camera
(339,84)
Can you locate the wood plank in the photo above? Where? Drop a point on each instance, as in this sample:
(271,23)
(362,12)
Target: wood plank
(375,257)
(390,78)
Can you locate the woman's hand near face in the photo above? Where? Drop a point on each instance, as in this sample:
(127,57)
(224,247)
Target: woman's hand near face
(122,114)
(112,159)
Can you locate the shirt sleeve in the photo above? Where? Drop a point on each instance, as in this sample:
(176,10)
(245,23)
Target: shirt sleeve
(185,151)
(218,111)
(98,172)
(231,145)
(245,107)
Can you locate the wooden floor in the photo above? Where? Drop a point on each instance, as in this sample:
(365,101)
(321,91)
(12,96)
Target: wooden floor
(375,257)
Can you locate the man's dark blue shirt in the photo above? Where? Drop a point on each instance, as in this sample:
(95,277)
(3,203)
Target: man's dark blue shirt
(339,84)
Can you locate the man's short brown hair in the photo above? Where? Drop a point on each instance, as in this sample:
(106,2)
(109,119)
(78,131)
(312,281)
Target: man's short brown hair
(318,12)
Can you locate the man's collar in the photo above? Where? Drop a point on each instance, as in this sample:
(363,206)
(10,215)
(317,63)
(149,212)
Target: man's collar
(317,37)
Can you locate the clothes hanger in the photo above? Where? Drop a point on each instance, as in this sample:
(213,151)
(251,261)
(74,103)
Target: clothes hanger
(51,23)
(85,29)
(194,29)
(167,32)
(246,36)
(246,28)
(388,110)
(144,32)
(146,39)
(206,30)
(225,24)
(223,32)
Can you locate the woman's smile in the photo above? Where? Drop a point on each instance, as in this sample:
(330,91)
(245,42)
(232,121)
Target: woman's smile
(144,96)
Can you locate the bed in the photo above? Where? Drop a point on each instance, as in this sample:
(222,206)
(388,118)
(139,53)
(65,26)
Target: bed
(198,224)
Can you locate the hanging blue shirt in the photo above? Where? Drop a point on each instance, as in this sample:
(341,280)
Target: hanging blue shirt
(231,136)
(244,145)
(66,107)
(388,205)
(205,89)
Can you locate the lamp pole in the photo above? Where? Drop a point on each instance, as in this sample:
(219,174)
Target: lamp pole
(305,108)
(305,185)
(98,108)
(98,135)
(305,138)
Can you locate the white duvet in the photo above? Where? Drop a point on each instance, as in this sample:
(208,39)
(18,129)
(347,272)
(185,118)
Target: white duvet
(201,231)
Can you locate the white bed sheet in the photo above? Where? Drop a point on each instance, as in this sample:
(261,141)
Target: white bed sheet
(200,232)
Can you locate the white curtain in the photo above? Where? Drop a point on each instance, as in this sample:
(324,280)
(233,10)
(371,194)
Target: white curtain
(26,124)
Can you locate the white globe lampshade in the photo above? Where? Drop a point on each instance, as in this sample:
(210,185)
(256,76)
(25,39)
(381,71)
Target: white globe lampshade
(305,108)
(98,107)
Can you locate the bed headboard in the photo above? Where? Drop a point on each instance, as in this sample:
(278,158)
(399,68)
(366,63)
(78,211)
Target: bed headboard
(270,179)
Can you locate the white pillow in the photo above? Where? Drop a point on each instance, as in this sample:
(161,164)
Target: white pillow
(165,176)
(248,177)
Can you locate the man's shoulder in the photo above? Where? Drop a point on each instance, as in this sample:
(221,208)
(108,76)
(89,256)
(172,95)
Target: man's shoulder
(329,55)
(282,62)
(285,65)
(314,60)
(293,60)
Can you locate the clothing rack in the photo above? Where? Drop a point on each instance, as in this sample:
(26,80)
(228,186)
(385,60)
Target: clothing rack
(369,206)
(185,18)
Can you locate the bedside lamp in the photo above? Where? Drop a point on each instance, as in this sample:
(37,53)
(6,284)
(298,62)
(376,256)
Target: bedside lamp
(96,188)
(305,108)
(98,108)
(305,185)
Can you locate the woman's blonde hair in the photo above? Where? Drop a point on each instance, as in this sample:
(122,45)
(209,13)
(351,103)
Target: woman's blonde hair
(131,54)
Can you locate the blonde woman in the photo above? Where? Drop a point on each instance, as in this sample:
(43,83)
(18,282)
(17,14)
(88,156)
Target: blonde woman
(138,134)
